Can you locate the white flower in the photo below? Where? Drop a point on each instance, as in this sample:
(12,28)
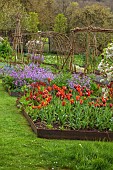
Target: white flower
(103,89)
(102,80)
(105,94)
(111,68)
(109,76)
(109,55)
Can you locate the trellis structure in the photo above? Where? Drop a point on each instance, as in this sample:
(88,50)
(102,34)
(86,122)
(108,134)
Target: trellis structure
(63,45)
(90,43)
(60,43)
(17,40)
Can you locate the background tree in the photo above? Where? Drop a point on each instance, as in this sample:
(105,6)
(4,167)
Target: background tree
(62,5)
(31,22)
(76,12)
(46,15)
(71,9)
(9,13)
(95,15)
(60,23)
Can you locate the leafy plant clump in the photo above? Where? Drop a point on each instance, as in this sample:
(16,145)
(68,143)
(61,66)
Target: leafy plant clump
(5,49)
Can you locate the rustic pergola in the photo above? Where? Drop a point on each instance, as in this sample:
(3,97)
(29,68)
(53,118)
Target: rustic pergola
(90,30)
(60,43)
(63,45)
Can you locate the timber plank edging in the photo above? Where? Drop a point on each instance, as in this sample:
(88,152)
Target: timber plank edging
(69,134)
(14,94)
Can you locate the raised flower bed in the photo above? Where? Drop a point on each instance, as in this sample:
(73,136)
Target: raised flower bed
(63,113)
(68,134)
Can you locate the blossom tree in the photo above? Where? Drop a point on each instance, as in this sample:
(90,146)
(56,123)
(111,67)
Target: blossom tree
(106,68)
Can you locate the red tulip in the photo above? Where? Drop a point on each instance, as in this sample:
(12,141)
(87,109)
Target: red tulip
(27,98)
(49,80)
(111,105)
(49,88)
(103,100)
(81,101)
(63,103)
(64,87)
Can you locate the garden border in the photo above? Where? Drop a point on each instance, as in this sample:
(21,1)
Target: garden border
(14,94)
(68,134)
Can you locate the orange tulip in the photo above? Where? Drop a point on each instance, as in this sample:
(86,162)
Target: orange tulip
(49,88)
(80,93)
(34,107)
(72,101)
(38,99)
(77,98)
(39,106)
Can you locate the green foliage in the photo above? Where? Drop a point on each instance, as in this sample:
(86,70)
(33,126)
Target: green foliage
(32,22)
(79,60)
(60,23)
(46,13)
(5,49)
(7,82)
(61,79)
(9,13)
(95,15)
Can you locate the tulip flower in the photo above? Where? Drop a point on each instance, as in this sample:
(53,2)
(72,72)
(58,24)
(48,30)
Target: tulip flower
(77,98)
(63,103)
(81,101)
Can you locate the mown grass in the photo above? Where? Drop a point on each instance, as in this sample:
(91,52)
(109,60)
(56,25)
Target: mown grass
(20,149)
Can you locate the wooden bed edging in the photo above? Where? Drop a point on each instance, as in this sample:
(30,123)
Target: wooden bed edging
(15,94)
(69,134)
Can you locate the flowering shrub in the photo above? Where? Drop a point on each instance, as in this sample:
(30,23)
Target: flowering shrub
(106,68)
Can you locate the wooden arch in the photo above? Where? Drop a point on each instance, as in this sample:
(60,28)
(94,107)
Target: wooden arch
(90,30)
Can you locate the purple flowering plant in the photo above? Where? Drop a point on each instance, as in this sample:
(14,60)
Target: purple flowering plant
(24,75)
(37,58)
(79,79)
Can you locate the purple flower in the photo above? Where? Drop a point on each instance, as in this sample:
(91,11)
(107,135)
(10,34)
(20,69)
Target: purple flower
(38,58)
(27,74)
(79,79)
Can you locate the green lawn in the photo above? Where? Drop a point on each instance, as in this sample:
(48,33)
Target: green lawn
(20,149)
